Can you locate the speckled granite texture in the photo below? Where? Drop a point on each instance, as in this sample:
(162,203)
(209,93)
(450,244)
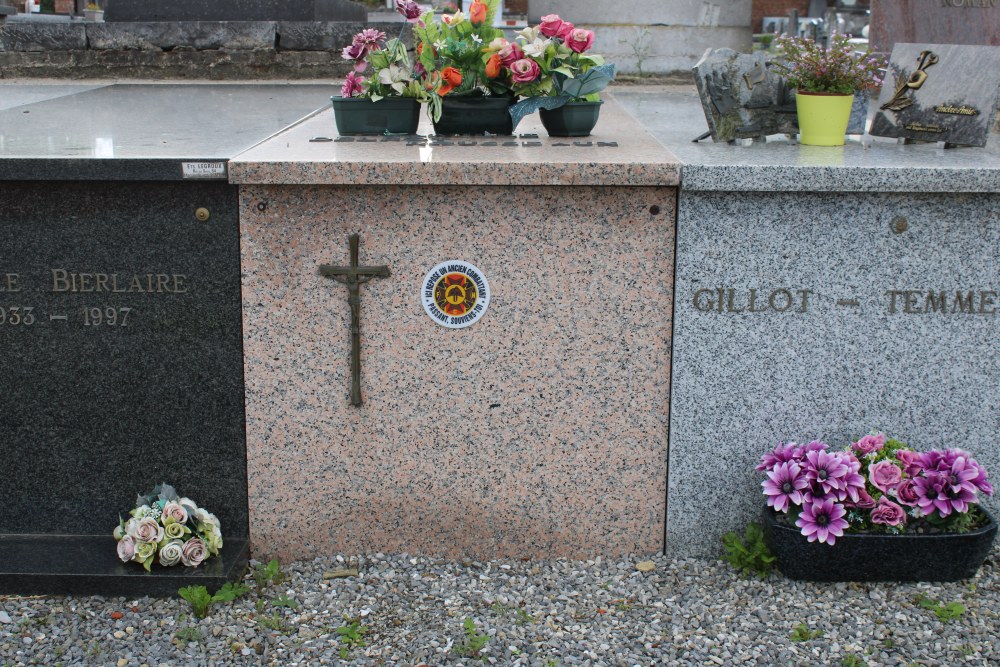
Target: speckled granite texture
(865,164)
(827,368)
(620,152)
(539,431)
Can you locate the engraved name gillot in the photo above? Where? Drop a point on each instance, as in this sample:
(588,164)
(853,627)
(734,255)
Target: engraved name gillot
(723,300)
(154,283)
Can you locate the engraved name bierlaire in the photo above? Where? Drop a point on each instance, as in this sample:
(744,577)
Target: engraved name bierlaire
(26,312)
(802,300)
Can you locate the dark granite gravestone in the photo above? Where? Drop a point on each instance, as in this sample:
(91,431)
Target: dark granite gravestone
(234,10)
(937,22)
(939,92)
(121,324)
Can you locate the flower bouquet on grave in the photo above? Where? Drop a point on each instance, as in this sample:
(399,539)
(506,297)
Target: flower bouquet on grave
(552,70)
(169,529)
(382,94)
(826,81)
(878,507)
(469,92)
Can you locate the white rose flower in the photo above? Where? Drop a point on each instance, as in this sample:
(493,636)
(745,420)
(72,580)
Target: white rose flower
(171,552)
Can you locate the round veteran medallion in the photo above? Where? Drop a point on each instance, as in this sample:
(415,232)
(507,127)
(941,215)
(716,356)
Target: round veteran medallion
(455,294)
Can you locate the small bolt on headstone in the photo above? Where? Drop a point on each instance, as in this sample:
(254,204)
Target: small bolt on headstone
(202,214)
(900,224)
(654,210)
(262,206)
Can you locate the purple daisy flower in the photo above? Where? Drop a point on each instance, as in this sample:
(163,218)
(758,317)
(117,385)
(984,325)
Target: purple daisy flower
(932,493)
(785,483)
(826,470)
(780,454)
(822,521)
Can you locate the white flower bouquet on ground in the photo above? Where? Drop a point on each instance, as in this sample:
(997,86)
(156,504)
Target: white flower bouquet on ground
(167,528)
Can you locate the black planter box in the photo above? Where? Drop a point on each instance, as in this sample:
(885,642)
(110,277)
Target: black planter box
(874,557)
(475,115)
(359,115)
(576,119)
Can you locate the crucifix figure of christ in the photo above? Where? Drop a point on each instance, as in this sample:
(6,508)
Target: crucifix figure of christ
(353,276)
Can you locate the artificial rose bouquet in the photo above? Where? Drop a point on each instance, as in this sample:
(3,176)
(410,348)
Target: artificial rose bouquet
(456,55)
(874,485)
(168,528)
(551,65)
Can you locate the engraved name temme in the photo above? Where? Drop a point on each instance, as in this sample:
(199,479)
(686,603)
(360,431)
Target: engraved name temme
(151,283)
(969,3)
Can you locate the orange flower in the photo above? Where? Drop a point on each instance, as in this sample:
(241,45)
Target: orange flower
(494,66)
(477,12)
(450,77)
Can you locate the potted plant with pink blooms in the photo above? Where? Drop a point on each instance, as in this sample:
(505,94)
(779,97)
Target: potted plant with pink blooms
(382,94)
(555,73)
(875,511)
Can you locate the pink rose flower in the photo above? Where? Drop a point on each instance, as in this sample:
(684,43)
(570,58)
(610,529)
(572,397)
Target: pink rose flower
(194,552)
(525,70)
(906,493)
(869,444)
(148,530)
(174,511)
(510,54)
(126,548)
(910,460)
(865,501)
(580,40)
(565,30)
(888,513)
(551,25)
(885,475)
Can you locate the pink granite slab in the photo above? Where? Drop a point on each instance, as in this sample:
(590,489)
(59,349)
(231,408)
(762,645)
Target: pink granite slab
(619,152)
(540,431)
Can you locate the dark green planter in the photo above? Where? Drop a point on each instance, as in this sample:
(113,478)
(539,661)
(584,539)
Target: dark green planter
(576,119)
(475,115)
(879,557)
(359,115)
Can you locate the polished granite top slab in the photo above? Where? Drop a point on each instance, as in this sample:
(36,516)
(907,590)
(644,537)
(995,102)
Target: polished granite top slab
(866,164)
(18,94)
(619,152)
(143,131)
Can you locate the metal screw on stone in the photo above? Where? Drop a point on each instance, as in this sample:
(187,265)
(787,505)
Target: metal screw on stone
(900,224)
(202,214)
(654,210)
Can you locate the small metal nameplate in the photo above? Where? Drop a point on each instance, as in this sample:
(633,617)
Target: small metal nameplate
(203,170)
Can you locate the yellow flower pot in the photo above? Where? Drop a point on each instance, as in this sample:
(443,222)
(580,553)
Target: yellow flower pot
(823,117)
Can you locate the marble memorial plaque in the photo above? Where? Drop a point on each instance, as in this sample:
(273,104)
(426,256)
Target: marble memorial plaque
(742,97)
(939,92)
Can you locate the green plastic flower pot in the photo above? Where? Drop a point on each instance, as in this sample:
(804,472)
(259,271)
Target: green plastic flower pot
(475,115)
(823,117)
(359,115)
(575,119)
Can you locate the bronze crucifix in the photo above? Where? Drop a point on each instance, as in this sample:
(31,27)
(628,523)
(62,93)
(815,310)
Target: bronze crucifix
(353,276)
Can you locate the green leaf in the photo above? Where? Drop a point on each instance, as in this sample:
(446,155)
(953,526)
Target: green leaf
(199,599)
(230,592)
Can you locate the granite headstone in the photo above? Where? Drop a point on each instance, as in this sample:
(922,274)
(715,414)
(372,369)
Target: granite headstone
(934,22)
(121,324)
(939,92)
(234,10)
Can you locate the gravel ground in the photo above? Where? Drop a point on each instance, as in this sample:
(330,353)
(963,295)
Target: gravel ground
(412,611)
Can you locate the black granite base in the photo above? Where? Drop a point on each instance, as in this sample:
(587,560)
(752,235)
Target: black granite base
(89,565)
(874,557)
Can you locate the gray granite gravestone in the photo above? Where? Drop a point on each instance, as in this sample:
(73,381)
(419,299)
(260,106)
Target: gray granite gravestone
(939,92)
(937,22)
(234,10)
(121,323)
(822,292)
